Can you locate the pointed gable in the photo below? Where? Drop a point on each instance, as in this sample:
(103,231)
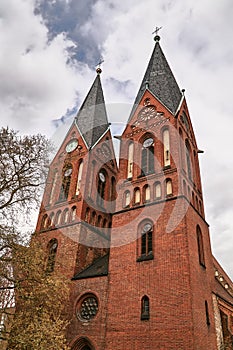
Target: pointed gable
(160,81)
(92,118)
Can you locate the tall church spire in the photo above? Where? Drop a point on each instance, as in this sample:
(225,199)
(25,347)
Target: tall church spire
(92,117)
(160,81)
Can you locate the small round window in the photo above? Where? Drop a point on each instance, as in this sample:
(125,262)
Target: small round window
(148,142)
(102,177)
(87,307)
(146,228)
(68,172)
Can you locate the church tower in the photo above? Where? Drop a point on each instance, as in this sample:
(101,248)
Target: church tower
(133,239)
(160,297)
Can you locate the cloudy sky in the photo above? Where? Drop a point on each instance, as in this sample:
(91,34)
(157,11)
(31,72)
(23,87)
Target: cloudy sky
(49,50)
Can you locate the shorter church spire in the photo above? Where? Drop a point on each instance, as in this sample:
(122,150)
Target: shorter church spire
(92,117)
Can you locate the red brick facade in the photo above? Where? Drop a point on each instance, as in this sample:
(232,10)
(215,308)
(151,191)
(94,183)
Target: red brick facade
(134,239)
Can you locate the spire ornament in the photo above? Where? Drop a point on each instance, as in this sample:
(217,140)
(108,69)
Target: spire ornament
(98,69)
(157,37)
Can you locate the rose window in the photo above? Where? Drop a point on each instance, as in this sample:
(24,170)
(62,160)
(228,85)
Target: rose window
(88,308)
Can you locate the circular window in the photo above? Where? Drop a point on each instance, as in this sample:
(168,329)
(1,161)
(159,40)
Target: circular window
(68,172)
(102,177)
(148,142)
(87,307)
(146,228)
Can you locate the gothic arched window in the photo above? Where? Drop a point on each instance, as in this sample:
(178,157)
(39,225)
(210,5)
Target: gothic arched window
(113,189)
(66,179)
(105,223)
(127,199)
(52,251)
(168,187)
(145,241)
(157,190)
(147,160)
(181,147)
(57,220)
(54,183)
(44,223)
(166,148)
(93,218)
(87,215)
(188,160)
(200,247)
(145,308)
(207,313)
(51,219)
(73,213)
(137,195)
(91,178)
(79,179)
(65,216)
(99,221)
(130,160)
(146,246)
(146,193)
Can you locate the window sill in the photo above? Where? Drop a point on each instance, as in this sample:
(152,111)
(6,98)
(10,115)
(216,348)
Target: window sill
(146,174)
(145,257)
(167,167)
(146,201)
(145,317)
(202,265)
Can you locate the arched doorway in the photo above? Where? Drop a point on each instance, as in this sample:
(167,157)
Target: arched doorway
(82,344)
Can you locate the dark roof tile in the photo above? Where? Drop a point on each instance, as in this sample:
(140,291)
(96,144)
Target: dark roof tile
(97,269)
(92,117)
(160,80)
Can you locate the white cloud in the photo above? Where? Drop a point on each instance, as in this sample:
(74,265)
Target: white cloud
(37,84)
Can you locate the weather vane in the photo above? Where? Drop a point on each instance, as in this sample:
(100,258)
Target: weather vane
(157,29)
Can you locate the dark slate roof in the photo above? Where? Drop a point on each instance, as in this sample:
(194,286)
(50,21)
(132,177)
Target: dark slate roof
(97,269)
(92,117)
(160,81)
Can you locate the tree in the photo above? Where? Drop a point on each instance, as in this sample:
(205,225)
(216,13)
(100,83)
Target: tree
(39,321)
(23,168)
(31,299)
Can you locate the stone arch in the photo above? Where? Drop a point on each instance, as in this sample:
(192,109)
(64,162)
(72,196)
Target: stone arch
(82,344)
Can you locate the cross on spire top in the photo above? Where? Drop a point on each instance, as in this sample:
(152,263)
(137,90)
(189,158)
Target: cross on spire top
(98,69)
(157,29)
(157,37)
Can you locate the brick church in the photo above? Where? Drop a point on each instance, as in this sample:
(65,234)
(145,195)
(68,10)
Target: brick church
(132,236)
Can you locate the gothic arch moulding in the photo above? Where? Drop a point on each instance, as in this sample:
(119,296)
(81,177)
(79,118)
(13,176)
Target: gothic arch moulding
(82,344)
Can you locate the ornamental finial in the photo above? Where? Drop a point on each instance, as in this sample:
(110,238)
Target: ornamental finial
(98,69)
(157,37)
